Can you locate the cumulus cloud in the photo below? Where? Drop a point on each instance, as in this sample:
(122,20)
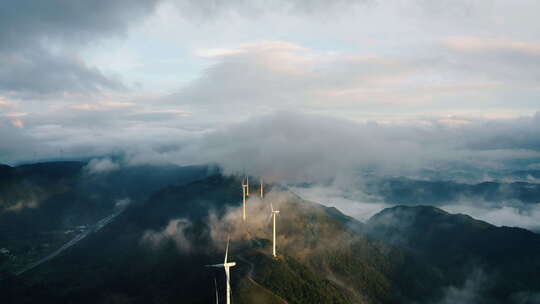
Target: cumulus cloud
(469,293)
(290,236)
(281,75)
(438,76)
(250,70)
(175,231)
(230,224)
(37,72)
(103,165)
(219,227)
(38,54)
(289,146)
(122,203)
(297,147)
(20,205)
(229,112)
(74,20)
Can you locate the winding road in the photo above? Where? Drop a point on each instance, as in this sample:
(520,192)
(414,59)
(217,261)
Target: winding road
(94,228)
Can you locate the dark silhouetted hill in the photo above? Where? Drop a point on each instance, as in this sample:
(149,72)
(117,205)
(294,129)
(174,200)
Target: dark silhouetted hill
(459,245)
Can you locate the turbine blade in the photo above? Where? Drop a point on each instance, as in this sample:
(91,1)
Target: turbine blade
(227,250)
(271,206)
(215,265)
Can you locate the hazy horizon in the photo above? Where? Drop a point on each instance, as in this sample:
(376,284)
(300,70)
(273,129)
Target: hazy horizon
(405,85)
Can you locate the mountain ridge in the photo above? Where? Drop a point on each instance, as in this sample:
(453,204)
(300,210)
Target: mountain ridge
(155,252)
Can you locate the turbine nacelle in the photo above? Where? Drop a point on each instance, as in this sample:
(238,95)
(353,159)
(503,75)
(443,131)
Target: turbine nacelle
(245,185)
(272,208)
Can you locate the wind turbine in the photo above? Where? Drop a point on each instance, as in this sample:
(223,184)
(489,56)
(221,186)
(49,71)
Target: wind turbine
(217,297)
(262,189)
(244,186)
(226,265)
(274,213)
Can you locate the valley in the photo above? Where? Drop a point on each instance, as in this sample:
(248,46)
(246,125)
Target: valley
(156,251)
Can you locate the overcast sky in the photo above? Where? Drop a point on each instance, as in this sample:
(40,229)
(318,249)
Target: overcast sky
(318,84)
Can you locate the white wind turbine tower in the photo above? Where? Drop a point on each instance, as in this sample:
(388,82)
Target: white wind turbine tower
(227,267)
(262,189)
(217,297)
(274,213)
(244,191)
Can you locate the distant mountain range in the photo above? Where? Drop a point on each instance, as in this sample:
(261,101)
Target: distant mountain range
(155,252)
(409,191)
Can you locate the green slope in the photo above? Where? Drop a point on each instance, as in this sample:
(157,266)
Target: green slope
(459,246)
(400,256)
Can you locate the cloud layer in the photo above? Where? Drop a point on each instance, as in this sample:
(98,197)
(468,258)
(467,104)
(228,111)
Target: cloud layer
(298,91)
(291,146)
(40,41)
(91,78)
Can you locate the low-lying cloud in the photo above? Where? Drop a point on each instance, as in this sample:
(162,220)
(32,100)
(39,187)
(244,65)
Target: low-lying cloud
(357,204)
(300,147)
(512,214)
(175,231)
(292,147)
(103,165)
(469,293)
(21,205)
(231,226)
